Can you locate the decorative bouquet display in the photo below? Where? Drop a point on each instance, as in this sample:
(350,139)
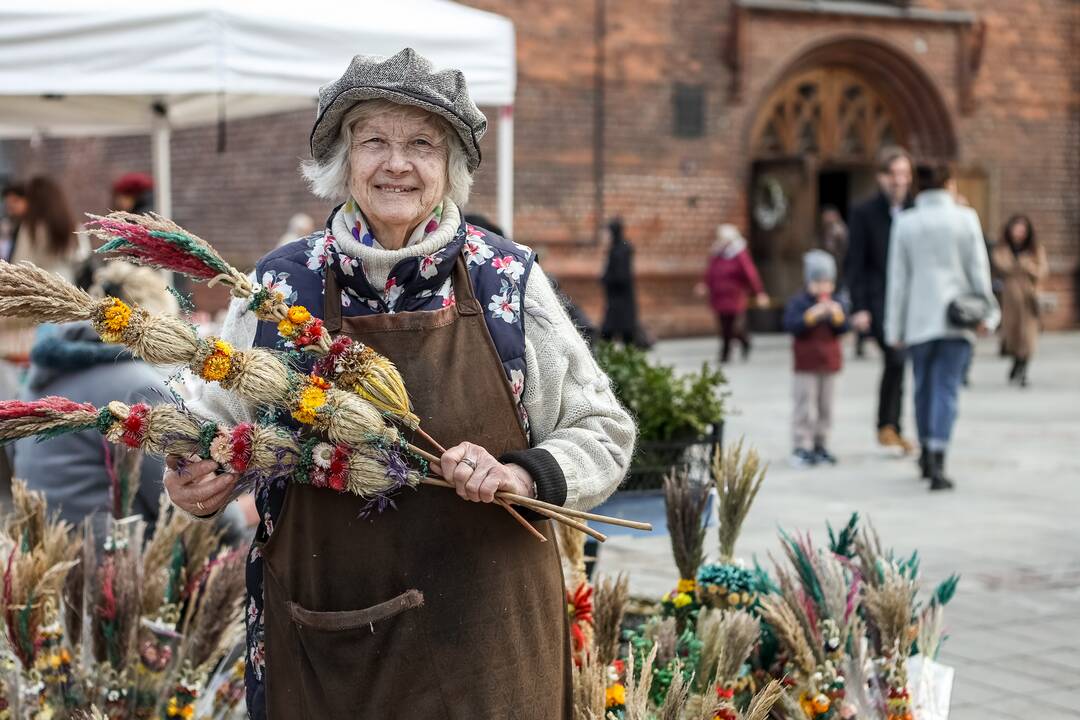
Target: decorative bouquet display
(346,444)
(113,625)
(827,636)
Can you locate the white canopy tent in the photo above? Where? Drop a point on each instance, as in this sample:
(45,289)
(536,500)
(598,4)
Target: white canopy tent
(72,67)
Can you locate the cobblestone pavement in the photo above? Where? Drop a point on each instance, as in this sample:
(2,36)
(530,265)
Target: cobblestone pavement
(1011,528)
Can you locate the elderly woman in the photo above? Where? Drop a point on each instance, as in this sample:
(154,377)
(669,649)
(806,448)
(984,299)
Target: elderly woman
(436,608)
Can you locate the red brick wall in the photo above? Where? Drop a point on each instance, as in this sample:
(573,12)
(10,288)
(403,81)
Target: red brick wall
(1024,135)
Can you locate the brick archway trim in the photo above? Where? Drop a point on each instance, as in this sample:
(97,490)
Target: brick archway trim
(912,91)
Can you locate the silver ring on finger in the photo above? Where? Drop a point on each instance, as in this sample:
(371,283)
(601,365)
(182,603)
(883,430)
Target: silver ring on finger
(470,462)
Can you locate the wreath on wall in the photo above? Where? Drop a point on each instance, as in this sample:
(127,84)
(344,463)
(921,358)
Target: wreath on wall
(770,203)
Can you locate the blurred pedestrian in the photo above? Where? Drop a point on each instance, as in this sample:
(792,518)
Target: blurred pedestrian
(72,361)
(621,312)
(865,273)
(834,233)
(46,238)
(816,320)
(47,234)
(730,278)
(1020,262)
(15,203)
(939,296)
(300,225)
(133,192)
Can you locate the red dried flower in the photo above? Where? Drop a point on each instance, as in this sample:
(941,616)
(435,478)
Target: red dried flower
(135,425)
(241,446)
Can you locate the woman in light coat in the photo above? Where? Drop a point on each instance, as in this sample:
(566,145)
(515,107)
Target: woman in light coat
(936,255)
(1020,262)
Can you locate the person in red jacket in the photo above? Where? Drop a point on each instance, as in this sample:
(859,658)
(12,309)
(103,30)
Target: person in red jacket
(730,278)
(817,321)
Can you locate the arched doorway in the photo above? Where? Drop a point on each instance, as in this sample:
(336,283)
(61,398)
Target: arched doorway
(815,139)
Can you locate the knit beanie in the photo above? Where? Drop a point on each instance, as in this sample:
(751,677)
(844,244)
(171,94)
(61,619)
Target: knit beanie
(818,265)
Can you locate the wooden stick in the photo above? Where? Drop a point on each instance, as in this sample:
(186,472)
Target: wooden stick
(424,454)
(571,523)
(535,504)
(434,444)
(521,521)
(553,514)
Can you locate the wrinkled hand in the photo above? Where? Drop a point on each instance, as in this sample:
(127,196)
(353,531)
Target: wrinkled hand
(490,476)
(861,320)
(198,488)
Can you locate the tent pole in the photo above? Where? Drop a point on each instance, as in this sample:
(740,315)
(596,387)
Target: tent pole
(504,194)
(160,138)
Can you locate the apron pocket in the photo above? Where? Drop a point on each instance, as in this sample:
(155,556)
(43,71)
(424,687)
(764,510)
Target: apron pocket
(369,663)
(353,619)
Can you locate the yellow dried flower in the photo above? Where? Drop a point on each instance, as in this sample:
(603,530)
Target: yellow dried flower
(287,329)
(298,315)
(686,585)
(615,695)
(115,321)
(217,366)
(311,399)
(682,600)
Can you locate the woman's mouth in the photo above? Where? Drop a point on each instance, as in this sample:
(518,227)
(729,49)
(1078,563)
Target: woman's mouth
(395,189)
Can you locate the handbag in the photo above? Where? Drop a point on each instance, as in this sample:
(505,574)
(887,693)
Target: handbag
(967,311)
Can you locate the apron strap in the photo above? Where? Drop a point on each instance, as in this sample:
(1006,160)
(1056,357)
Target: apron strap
(331,301)
(464,294)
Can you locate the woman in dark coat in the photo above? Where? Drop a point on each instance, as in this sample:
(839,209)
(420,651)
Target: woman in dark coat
(620,317)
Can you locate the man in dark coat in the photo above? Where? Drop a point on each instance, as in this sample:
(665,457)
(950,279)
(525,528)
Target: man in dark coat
(865,270)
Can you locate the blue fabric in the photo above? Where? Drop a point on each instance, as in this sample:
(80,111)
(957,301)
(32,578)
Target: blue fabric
(499,269)
(939,371)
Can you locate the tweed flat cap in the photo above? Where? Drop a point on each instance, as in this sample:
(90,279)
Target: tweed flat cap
(407,78)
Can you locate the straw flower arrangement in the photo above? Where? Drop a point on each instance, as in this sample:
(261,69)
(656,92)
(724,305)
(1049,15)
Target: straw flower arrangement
(157,242)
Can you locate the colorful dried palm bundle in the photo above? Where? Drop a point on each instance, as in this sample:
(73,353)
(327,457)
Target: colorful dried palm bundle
(122,465)
(255,452)
(257,375)
(160,243)
(685,502)
(609,608)
(737,477)
(889,611)
(727,639)
(105,669)
(37,554)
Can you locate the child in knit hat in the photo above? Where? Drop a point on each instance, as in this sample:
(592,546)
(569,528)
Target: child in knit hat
(817,321)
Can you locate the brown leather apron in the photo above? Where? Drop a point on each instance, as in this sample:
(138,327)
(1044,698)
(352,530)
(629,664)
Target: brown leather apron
(347,633)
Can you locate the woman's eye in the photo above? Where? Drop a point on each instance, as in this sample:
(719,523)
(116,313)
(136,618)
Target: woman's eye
(421,142)
(373,141)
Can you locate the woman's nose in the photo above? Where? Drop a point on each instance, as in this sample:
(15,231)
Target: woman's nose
(398,159)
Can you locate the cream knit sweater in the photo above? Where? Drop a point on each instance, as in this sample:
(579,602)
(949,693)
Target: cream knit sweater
(572,411)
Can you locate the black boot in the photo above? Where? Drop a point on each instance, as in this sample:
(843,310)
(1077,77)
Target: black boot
(1015,371)
(938,481)
(924,463)
(1021,374)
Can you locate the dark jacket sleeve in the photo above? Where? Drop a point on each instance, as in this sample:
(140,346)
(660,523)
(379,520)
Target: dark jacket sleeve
(855,261)
(795,312)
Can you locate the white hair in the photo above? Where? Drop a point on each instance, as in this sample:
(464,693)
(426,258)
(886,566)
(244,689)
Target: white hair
(329,179)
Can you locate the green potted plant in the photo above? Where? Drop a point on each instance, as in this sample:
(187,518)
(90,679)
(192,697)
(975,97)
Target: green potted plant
(680,416)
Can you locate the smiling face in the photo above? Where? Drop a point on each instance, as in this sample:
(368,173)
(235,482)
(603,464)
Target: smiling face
(398,162)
